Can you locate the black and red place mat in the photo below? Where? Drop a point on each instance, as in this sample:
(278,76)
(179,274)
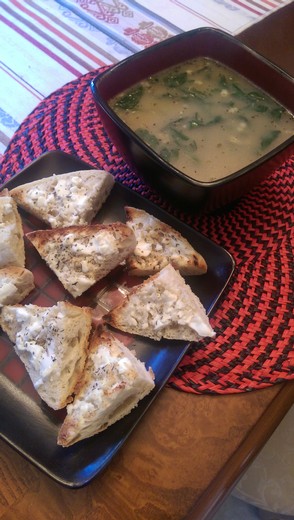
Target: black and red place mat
(254,345)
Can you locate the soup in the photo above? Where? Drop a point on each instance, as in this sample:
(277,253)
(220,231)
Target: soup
(205,119)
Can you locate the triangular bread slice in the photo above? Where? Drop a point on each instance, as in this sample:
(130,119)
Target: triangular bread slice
(113,383)
(158,244)
(52,343)
(15,284)
(82,255)
(68,199)
(163,306)
(12,250)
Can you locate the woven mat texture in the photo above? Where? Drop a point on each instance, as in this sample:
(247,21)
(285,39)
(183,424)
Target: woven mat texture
(254,344)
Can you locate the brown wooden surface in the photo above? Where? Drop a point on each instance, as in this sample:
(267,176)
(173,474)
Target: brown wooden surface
(189,450)
(273,37)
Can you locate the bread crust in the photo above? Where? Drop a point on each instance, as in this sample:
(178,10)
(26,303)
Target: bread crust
(15,284)
(82,255)
(12,250)
(113,383)
(52,342)
(72,198)
(163,306)
(158,244)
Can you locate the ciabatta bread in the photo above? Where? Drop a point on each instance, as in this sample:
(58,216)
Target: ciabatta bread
(52,343)
(113,383)
(68,199)
(12,250)
(82,255)
(163,306)
(15,284)
(158,244)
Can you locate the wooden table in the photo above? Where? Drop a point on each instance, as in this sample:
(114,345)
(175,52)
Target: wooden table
(189,450)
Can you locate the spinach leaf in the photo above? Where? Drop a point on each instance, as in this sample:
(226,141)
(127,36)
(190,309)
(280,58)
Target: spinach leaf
(175,79)
(205,68)
(223,82)
(259,107)
(268,138)
(214,120)
(256,96)
(168,154)
(238,92)
(243,118)
(276,113)
(178,135)
(148,137)
(198,121)
(192,145)
(193,93)
(255,100)
(130,99)
(186,94)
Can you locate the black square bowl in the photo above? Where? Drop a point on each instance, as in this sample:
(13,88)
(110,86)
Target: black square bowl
(165,179)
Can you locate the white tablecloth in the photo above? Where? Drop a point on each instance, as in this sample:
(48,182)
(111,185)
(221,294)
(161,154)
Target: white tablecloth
(44,44)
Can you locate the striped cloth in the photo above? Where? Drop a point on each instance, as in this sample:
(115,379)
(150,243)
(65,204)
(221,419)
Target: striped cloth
(45,44)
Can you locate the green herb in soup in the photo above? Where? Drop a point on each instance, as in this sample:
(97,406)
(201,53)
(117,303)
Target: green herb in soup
(203,118)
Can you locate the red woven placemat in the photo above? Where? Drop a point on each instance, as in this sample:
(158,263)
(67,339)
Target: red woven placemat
(254,345)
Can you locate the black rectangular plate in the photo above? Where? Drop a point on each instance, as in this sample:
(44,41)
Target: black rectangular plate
(26,423)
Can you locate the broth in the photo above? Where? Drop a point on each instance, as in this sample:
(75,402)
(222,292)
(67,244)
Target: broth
(205,119)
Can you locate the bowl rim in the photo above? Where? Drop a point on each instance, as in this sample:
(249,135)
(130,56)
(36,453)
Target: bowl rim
(102,102)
